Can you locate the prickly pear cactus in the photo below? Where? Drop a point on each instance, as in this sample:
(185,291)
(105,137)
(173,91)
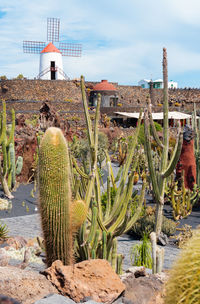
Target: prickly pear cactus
(183,286)
(58,212)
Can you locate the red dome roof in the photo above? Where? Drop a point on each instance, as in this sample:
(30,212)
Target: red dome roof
(50,48)
(104,85)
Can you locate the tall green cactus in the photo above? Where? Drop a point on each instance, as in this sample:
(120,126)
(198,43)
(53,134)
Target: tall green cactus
(197,148)
(7,145)
(158,178)
(97,236)
(59,214)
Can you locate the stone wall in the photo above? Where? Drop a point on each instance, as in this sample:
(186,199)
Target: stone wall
(40,90)
(28,95)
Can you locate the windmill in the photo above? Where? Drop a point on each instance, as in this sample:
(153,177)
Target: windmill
(51,66)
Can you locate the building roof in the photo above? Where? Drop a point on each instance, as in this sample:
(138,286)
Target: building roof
(50,48)
(158,80)
(159,116)
(104,85)
(146,80)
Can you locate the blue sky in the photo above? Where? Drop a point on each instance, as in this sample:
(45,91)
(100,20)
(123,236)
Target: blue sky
(122,39)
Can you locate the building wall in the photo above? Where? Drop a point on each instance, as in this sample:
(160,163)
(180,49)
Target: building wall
(29,95)
(45,63)
(144,84)
(172,85)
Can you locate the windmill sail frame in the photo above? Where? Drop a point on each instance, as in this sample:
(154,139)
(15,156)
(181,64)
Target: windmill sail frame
(70,49)
(33,47)
(53,29)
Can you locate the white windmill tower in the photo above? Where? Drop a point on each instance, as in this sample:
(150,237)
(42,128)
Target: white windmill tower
(51,66)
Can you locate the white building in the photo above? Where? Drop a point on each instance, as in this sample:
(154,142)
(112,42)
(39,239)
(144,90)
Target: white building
(51,66)
(144,83)
(172,84)
(157,84)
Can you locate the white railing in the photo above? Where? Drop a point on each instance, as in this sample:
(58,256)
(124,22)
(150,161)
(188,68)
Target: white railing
(55,69)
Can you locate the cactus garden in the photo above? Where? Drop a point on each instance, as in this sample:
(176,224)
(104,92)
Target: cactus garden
(95,191)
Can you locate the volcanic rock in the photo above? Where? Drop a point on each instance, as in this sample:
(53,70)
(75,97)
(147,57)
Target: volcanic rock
(91,278)
(25,286)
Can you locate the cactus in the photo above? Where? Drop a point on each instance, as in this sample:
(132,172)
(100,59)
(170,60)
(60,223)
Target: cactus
(60,216)
(158,178)
(183,283)
(14,168)
(8,155)
(97,236)
(197,149)
(19,165)
(182,199)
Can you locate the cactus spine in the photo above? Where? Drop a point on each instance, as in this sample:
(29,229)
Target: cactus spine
(183,284)
(59,214)
(159,178)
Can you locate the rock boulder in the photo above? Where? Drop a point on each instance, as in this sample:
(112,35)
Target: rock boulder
(25,286)
(91,278)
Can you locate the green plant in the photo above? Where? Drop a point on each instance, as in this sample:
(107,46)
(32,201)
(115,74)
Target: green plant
(183,286)
(145,225)
(141,137)
(7,171)
(3,77)
(122,150)
(80,149)
(185,234)
(159,177)
(32,121)
(196,145)
(3,231)
(61,216)
(181,198)
(104,198)
(141,253)
(102,146)
(97,236)
(20,76)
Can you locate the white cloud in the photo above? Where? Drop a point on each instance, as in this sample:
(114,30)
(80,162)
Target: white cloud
(186,11)
(183,60)
(122,39)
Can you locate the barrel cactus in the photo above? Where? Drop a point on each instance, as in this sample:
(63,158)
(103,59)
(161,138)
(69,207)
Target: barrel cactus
(59,213)
(183,286)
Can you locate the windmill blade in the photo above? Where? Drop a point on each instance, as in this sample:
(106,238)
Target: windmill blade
(33,47)
(53,29)
(70,49)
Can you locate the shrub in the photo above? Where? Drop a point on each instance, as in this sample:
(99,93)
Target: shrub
(141,136)
(3,77)
(20,76)
(80,148)
(146,225)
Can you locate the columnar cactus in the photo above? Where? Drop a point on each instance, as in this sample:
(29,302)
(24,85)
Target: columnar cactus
(158,178)
(60,216)
(8,155)
(197,150)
